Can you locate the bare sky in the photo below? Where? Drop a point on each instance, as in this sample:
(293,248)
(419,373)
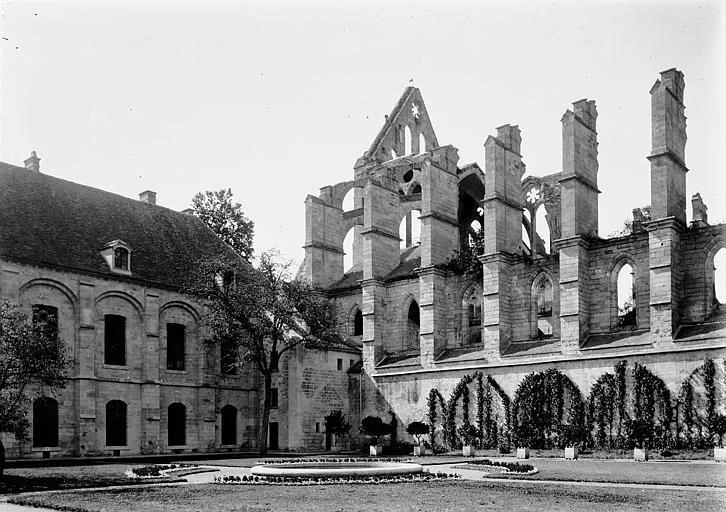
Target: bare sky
(276,100)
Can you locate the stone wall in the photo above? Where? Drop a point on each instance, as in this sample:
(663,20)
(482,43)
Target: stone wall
(143,383)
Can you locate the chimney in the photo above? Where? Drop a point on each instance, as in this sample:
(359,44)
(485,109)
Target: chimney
(148,196)
(32,163)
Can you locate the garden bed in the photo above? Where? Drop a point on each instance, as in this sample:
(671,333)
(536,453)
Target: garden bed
(334,479)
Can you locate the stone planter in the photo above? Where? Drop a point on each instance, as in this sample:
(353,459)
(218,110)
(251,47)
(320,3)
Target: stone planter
(719,454)
(523,453)
(640,454)
(376,450)
(571,452)
(419,451)
(468,450)
(336,449)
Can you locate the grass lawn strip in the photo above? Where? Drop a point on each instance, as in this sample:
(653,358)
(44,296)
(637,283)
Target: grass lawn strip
(500,470)
(483,496)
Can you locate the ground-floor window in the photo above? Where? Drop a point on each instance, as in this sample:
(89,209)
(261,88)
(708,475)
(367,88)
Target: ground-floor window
(116,423)
(177,424)
(45,422)
(229,424)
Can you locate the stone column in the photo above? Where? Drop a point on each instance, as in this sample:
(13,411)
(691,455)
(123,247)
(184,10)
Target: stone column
(373,322)
(502,235)
(579,217)
(323,242)
(432,293)
(668,202)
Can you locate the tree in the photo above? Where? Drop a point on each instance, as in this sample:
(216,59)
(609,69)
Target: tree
(261,312)
(32,359)
(336,425)
(417,429)
(373,427)
(223,216)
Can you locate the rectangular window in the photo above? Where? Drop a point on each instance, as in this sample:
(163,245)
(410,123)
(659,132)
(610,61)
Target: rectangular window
(317,428)
(340,365)
(352,362)
(46,319)
(114,332)
(174,347)
(274,396)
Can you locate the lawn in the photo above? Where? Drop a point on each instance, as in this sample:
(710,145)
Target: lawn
(672,473)
(71,477)
(430,497)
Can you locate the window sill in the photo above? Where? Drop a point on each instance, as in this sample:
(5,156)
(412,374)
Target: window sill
(229,446)
(124,447)
(45,449)
(178,447)
(177,372)
(115,366)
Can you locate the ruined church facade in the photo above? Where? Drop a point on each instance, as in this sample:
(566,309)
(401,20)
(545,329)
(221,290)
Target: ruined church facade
(510,274)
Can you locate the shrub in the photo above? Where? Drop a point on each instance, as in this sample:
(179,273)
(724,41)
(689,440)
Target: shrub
(335,424)
(719,428)
(373,427)
(503,444)
(417,429)
(468,434)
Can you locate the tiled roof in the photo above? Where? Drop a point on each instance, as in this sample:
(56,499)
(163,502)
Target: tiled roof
(52,222)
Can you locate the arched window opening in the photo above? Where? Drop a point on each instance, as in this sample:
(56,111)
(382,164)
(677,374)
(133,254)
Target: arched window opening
(543,231)
(349,200)
(526,226)
(409,231)
(348,242)
(421,143)
(121,258)
(416,189)
(45,422)
(45,320)
(358,323)
(407,140)
(116,423)
(393,154)
(229,424)
(408,176)
(413,325)
(177,424)
(625,296)
(473,319)
(175,349)
(719,282)
(542,304)
(475,239)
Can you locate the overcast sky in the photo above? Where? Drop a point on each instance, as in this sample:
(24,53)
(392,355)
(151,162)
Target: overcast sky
(276,100)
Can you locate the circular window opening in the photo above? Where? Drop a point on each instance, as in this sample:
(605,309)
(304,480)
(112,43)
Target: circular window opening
(408,176)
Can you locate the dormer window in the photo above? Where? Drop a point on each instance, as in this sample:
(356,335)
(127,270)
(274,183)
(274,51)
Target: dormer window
(118,256)
(121,258)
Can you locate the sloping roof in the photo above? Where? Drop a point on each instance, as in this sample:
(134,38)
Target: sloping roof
(52,222)
(391,119)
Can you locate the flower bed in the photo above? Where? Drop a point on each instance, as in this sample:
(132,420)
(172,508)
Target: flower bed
(338,479)
(159,470)
(332,460)
(513,468)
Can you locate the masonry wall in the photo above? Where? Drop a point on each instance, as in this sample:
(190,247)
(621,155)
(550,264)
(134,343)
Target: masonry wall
(144,383)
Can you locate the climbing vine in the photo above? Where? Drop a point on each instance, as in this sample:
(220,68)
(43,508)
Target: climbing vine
(433,397)
(607,406)
(538,410)
(651,403)
(695,429)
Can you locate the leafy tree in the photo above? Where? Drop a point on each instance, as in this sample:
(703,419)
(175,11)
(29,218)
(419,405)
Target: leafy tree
(335,424)
(373,427)
(32,360)
(223,216)
(417,429)
(262,313)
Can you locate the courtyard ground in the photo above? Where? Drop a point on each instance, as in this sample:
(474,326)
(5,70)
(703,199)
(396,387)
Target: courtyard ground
(560,486)
(429,497)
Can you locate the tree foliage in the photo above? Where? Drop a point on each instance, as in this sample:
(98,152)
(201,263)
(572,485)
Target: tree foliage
(262,312)
(225,217)
(32,362)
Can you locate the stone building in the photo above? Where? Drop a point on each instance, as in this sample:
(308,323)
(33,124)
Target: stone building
(543,288)
(109,271)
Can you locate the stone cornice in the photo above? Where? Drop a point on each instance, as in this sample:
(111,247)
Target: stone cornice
(571,241)
(664,152)
(372,281)
(323,246)
(580,179)
(443,218)
(377,231)
(504,200)
(664,223)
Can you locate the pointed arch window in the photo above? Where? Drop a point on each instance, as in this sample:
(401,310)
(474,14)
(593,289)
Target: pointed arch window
(358,323)
(413,326)
(542,299)
(625,296)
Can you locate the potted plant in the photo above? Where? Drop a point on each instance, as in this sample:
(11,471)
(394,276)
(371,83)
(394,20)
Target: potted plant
(569,439)
(373,427)
(337,427)
(467,433)
(719,429)
(640,435)
(522,441)
(418,429)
